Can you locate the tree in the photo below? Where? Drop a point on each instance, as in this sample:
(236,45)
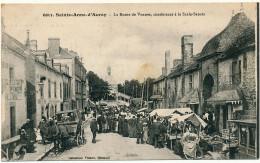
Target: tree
(99,88)
(148,83)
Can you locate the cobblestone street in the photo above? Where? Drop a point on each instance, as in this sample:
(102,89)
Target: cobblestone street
(113,146)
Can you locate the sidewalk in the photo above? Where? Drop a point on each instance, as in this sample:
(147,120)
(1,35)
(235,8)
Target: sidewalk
(41,152)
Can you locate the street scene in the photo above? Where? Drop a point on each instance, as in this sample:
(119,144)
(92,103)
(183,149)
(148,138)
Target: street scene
(129,82)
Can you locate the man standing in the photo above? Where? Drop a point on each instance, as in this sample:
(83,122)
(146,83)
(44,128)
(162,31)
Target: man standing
(139,130)
(43,129)
(93,127)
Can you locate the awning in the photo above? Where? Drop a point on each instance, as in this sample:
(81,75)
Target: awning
(156,97)
(224,97)
(145,110)
(191,98)
(193,118)
(245,121)
(122,103)
(169,112)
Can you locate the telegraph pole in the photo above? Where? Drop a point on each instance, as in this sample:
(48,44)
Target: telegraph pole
(142,93)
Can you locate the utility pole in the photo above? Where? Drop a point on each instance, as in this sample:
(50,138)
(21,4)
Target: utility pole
(135,91)
(124,88)
(142,93)
(147,85)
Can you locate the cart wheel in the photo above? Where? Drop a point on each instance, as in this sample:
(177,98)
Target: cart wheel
(79,140)
(82,136)
(20,154)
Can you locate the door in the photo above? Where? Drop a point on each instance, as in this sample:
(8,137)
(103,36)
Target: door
(12,121)
(225,116)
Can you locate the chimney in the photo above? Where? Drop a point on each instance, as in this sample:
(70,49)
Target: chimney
(163,71)
(54,46)
(33,44)
(186,49)
(27,42)
(167,63)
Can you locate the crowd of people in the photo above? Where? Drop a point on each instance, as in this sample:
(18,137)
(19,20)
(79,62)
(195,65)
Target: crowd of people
(146,129)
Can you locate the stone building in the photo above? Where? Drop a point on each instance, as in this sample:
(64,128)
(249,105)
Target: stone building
(13,92)
(221,78)
(228,71)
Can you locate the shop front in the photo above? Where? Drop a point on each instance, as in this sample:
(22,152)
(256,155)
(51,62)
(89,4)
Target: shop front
(246,132)
(225,105)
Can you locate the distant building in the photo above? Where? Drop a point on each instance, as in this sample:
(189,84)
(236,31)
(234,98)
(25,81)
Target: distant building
(77,86)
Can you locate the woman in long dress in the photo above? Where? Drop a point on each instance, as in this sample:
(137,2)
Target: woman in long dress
(145,135)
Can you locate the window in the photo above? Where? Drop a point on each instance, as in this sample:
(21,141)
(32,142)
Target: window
(245,61)
(190,82)
(236,72)
(60,90)
(11,77)
(55,90)
(42,90)
(42,111)
(49,88)
(243,135)
(252,137)
(55,109)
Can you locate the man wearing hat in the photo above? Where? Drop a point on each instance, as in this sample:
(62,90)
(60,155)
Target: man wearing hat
(93,127)
(139,130)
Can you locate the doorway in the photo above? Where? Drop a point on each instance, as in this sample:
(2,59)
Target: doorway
(12,121)
(208,83)
(225,116)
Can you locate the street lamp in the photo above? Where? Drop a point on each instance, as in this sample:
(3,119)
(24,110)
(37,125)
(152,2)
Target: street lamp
(41,85)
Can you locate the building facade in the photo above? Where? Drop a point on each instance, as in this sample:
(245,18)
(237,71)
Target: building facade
(13,77)
(221,78)
(79,84)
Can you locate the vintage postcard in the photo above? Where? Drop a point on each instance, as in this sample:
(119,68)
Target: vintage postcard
(129,81)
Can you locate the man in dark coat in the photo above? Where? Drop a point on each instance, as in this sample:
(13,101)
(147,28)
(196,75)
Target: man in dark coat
(43,129)
(156,132)
(28,127)
(53,133)
(99,121)
(161,139)
(93,127)
(139,130)
(151,131)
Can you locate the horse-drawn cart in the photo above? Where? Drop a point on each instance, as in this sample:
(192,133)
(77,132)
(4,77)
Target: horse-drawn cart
(70,123)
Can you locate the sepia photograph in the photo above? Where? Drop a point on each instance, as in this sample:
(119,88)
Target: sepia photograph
(129,81)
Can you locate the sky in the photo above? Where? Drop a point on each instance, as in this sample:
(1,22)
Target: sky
(134,46)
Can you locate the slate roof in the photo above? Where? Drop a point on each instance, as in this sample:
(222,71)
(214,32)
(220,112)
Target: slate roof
(191,98)
(13,44)
(176,72)
(159,79)
(224,96)
(63,54)
(240,32)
